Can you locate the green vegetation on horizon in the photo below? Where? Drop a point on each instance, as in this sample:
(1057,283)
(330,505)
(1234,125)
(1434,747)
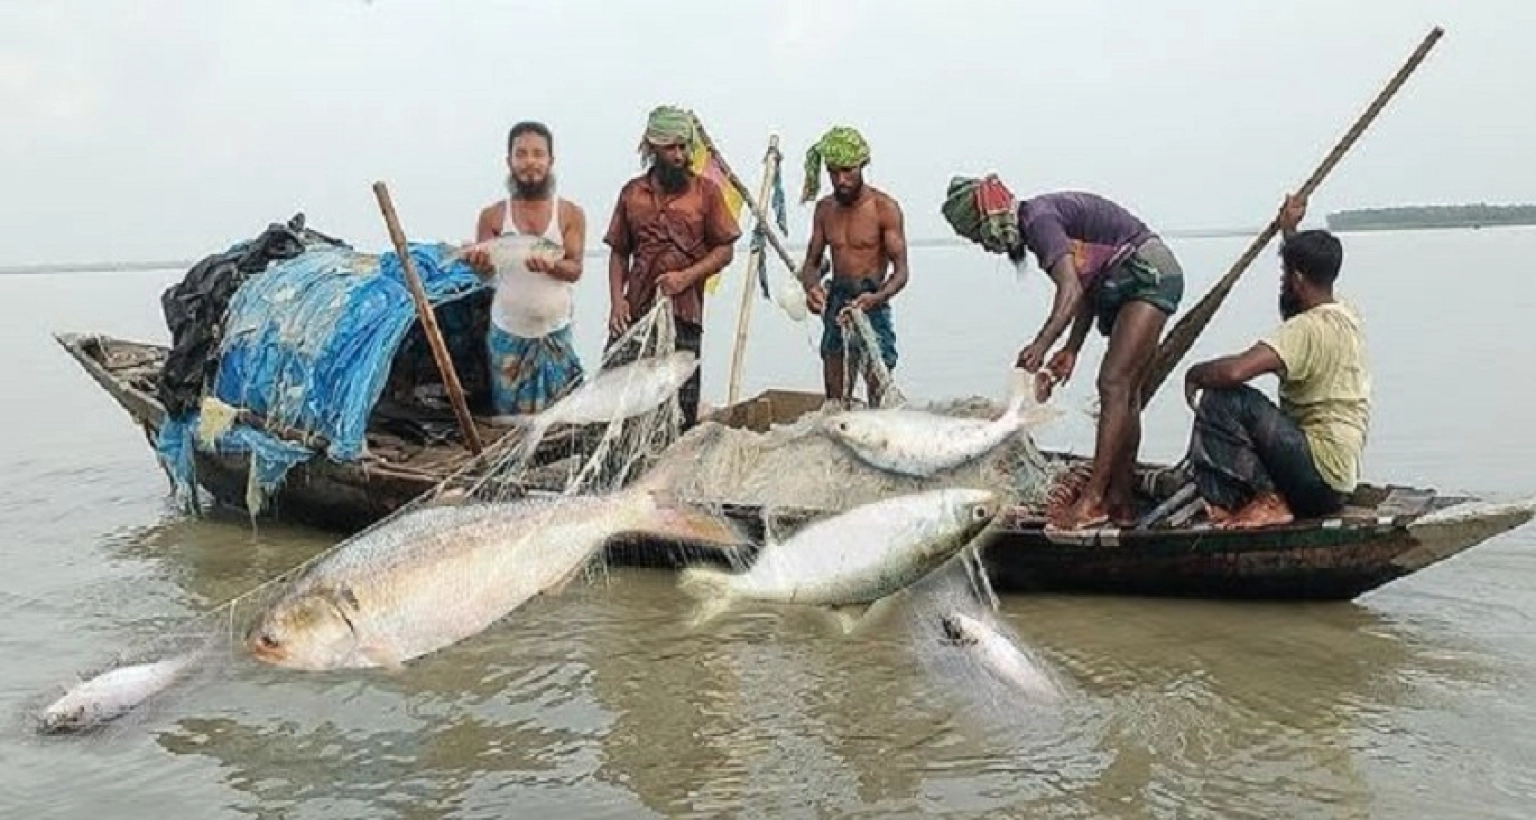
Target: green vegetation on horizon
(1431,216)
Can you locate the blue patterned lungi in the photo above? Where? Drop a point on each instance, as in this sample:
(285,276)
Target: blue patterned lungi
(528,375)
(841,291)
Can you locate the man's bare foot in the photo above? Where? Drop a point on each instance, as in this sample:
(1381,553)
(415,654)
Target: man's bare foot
(1268,510)
(1218,515)
(1085,514)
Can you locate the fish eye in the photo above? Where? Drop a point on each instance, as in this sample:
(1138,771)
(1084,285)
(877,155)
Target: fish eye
(978,513)
(267,641)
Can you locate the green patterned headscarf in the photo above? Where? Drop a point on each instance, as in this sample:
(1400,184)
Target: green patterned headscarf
(668,125)
(983,211)
(841,147)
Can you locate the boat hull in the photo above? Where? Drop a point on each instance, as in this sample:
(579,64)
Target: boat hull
(1396,531)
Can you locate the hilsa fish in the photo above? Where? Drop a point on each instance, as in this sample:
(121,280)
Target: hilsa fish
(617,393)
(853,559)
(1000,657)
(438,575)
(112,694)
(919,444)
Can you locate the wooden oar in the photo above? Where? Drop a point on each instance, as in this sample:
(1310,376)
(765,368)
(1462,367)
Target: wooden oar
(1183,335)
(428,320)
(748,283)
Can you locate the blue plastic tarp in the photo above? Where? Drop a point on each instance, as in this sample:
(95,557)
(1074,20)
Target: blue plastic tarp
(308,345)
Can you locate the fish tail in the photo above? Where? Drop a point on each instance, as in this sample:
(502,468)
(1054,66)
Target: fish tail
(705,583)
(711,588)
(677,520)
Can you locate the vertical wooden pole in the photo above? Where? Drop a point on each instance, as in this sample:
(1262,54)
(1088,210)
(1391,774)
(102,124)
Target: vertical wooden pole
(748,281)
(428,320)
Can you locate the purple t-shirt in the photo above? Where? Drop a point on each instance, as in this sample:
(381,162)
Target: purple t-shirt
(1098,233)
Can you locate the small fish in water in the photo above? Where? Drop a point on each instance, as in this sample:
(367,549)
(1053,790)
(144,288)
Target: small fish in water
(438,575)
(112,694)
(919,444)
(1000,656)
(855,558)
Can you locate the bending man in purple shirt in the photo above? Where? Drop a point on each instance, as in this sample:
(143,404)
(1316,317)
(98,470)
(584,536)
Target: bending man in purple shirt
(1107,265)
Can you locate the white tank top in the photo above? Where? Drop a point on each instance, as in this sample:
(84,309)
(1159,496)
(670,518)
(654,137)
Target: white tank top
(528,304)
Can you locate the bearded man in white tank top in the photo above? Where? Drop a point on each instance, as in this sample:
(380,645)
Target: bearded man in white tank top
(536,261)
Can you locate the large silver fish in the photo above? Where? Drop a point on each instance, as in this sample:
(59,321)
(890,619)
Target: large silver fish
(919,444)
(112,694)
(855,558)
(436,576)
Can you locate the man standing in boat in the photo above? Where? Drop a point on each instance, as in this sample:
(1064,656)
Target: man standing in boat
(1256,464)
(533,361)
(1106,265)
(670,232)
(863,226)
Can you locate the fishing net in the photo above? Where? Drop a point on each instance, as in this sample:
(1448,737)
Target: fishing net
(861,353)
(601,458)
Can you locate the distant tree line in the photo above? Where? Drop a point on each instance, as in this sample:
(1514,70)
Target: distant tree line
(1432,216)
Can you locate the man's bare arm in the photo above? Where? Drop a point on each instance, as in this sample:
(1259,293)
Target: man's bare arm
(893,236)
(1231,371)
(713,262)
(810,269)
(1066,305)
(574,236)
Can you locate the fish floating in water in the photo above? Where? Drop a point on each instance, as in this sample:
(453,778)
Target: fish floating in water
(438,575)
(1000,657)
(919,444)
(855,558)
(112,694)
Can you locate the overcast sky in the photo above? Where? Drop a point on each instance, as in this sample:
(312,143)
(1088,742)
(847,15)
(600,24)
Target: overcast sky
(166,129)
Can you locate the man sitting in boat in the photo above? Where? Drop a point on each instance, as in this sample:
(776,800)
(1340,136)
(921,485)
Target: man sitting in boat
(540,239)
(863,227)
(1106,264)
(1256,464)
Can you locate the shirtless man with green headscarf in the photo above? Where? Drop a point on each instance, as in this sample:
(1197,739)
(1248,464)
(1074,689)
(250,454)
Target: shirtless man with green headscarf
(863,226)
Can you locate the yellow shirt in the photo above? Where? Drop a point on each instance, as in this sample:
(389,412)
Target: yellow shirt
(1326,388)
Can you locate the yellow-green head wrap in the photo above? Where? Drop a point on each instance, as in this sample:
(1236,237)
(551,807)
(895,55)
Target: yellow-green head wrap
(841,147)
(668,125)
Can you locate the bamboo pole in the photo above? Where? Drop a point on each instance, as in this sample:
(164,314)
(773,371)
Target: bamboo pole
(428,320)
(752,204)
(1183,335)
(748,285)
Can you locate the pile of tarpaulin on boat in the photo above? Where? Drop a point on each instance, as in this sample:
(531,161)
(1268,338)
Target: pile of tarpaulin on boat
(304,345)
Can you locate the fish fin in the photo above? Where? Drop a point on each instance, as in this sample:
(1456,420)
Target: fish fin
(859,618)
(848,617)
(678,520)
(712,588)
(705,583)
(1022,402)
(384,657)
(708,610)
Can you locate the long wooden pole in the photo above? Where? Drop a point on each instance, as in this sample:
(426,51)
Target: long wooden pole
(428,320)
(752,204)
(748,283)
(1183,335)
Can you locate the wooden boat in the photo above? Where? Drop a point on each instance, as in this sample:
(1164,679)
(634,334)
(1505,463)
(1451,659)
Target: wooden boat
(1385,533)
